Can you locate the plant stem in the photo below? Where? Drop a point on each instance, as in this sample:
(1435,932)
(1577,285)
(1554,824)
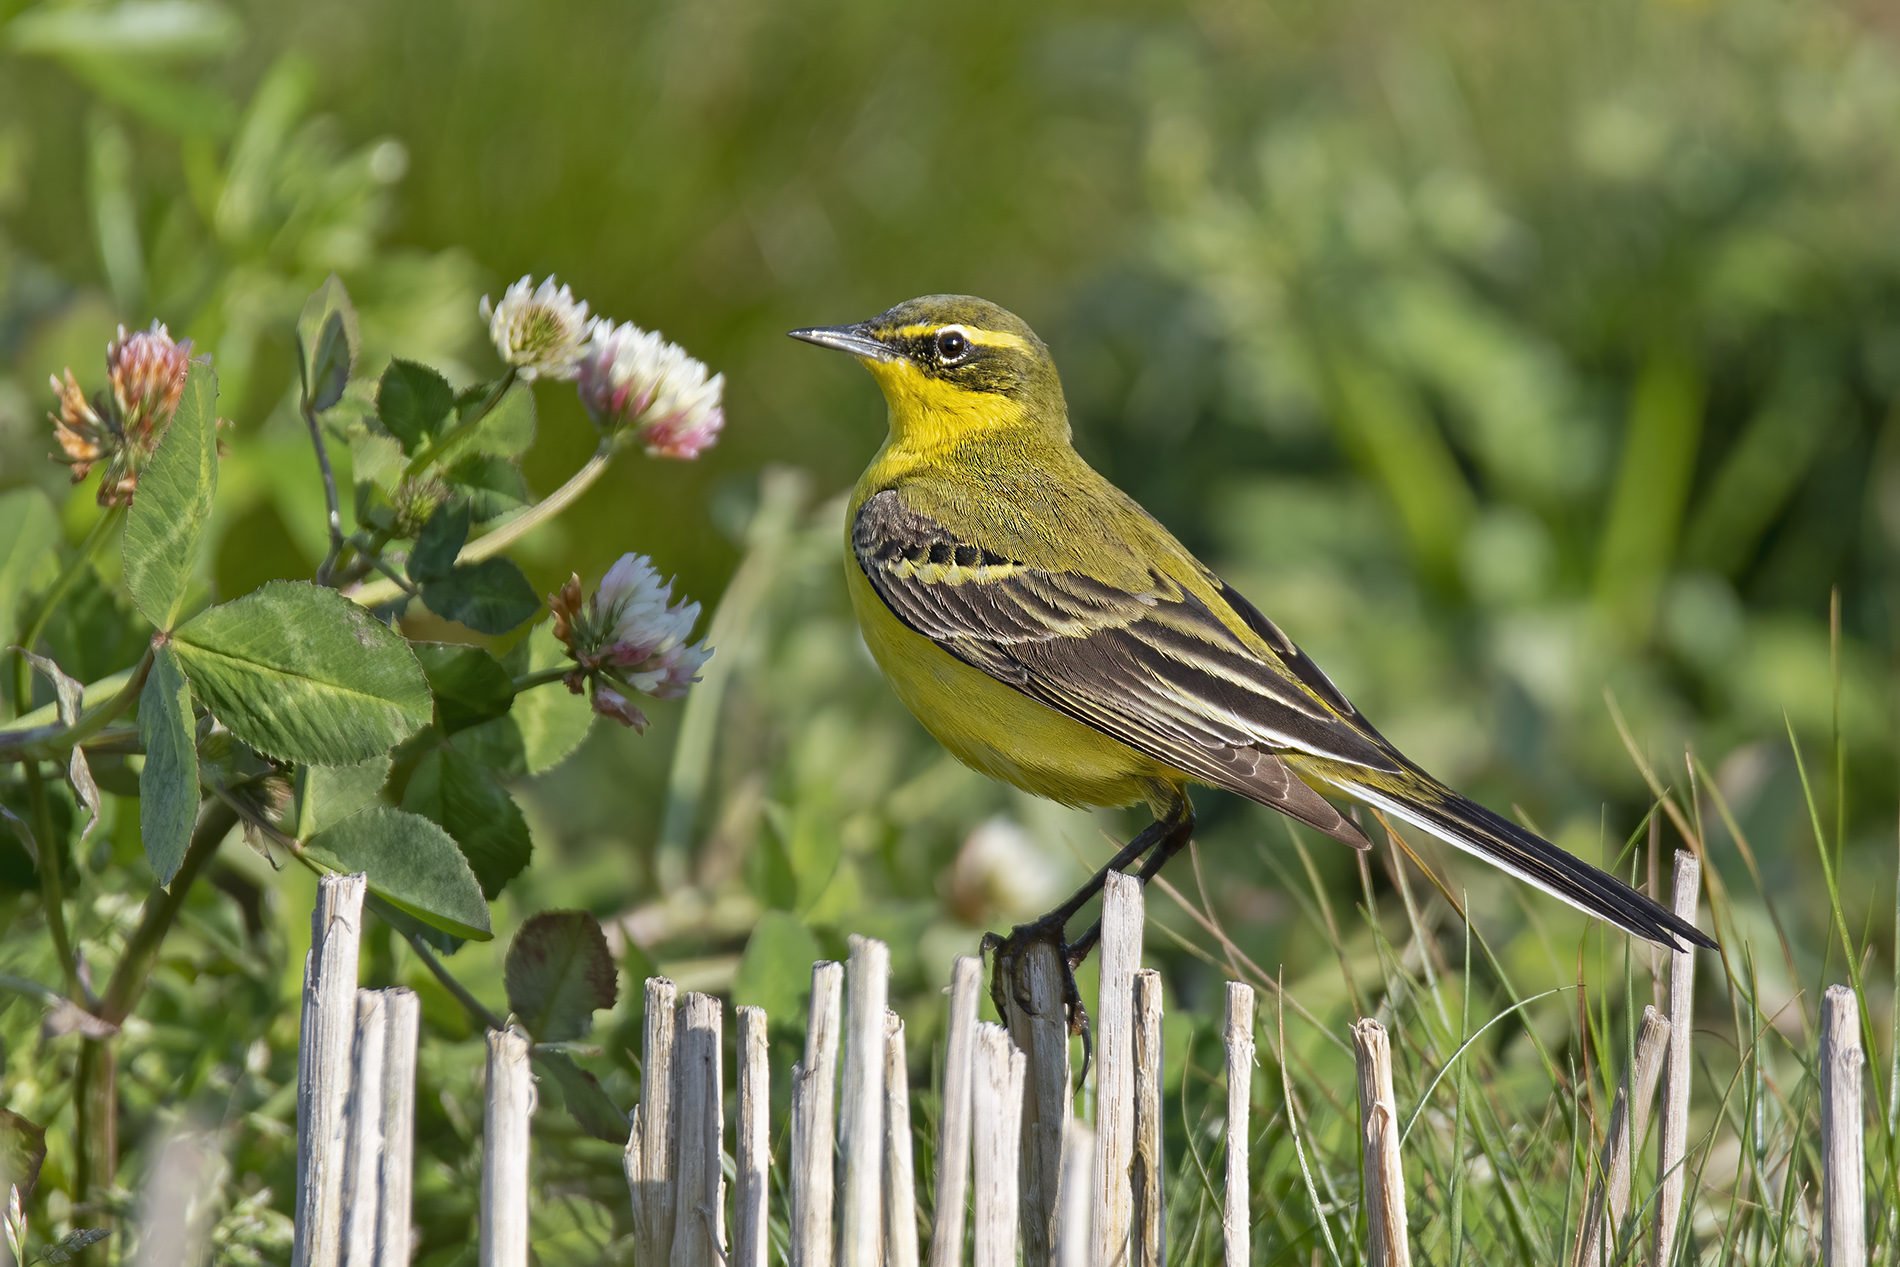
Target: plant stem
(22,699)
(52,882)
(443,443)
(54,746)
(379,592)
(329,496)
(215,822)
(541,677)
(476,1008)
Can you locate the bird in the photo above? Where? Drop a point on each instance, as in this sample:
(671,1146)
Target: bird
(1052,634)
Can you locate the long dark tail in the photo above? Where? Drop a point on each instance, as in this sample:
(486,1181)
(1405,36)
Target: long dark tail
(1428,804)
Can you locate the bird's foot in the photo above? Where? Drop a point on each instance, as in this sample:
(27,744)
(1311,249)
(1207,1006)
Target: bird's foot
(1008,976)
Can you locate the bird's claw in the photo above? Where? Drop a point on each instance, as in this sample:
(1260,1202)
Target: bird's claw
(1008,967)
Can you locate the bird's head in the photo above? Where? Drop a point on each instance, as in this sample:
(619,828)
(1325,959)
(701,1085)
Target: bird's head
(954,367)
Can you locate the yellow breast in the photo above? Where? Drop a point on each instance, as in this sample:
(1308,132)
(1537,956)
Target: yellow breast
(995,729)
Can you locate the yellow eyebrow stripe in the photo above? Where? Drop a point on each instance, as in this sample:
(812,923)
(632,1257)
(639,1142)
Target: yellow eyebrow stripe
(976,335)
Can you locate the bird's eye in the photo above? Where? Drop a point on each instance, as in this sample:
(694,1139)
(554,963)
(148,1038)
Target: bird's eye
(952,346)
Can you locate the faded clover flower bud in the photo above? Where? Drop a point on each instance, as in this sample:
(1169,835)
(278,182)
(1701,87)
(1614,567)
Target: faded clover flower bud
(632,380)
(122,427)
(541,331)
(629,638)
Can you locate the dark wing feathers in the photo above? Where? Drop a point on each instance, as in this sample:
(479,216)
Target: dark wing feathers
(1156,670)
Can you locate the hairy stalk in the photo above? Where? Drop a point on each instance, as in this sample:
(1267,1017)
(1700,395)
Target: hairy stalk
(474,1006)
(52,882)
(215,822)
(22,697)
(541,677)
(379,592)
(52,743)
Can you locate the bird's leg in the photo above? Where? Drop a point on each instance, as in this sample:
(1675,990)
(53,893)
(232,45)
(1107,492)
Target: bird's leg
(1160,840)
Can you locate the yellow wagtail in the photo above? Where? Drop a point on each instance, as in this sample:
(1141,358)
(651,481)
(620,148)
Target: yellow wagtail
(1050,633)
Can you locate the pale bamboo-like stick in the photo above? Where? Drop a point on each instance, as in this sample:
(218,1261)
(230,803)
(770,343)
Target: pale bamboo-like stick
(1122,915)
(953,1131)
(362,1186)
(1039,1027)
(651,1145)
(176,1214)
(323,1068)
(504,1208)
(1387,1242)
(900,1175)
(815,1097)
(699,1209)
(1148,1225)
(402,1029)
(861,1115)
(1075,1239)
(754,1160)
(1672,1140)
(997,1099)
(1236,1214)
(1629,1121)
(1843,1168)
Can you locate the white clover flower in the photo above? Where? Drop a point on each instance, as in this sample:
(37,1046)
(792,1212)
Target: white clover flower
(628,636)
(541,331)
(632,379)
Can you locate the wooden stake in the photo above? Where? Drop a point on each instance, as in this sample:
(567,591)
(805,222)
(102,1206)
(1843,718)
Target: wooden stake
(402,1028)
(997,1099)
(1148,1228)
(1075,1239)
(323,1068)
(699,1229)
(1629,1121)
(953,1132)
(1122,915)
(1673,1140)
(1387,1243)
(362,1178)
(867,979)
(814,1103)
(504,1208)
(1236,1214)
(900,1175)
(1039,1026)
(1843,1169)
(754,1161)
(650,1154)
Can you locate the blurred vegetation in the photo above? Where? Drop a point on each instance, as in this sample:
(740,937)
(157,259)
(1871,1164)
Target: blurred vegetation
(1505,354)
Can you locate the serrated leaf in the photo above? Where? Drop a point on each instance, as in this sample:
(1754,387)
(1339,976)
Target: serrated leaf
(327,344)
(413,401)
(491,597)
(29,535)
(586,1099)
(439,542)
(469,685)
(493,485)
(451,789)
(301,673)
(507,431)
(552,720)
(165,529)
(411,864)
(558,973)
(329,794)
(168,782)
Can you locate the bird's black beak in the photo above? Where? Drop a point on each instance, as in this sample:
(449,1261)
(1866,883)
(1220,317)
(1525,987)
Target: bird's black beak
(853,339)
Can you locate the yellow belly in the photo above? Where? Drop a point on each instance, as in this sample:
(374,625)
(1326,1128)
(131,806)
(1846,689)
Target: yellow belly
(997,730)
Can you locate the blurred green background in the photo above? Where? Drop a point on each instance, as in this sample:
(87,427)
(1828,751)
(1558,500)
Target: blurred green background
(1505,354)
